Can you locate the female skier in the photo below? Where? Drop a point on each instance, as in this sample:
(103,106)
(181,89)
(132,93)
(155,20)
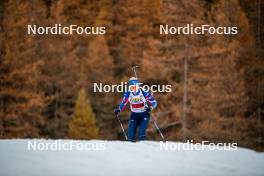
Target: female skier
(141,103)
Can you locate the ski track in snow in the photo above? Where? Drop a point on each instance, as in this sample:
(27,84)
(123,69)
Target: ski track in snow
(125,158)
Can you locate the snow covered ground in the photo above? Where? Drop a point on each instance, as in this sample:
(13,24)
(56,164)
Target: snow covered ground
(124,159)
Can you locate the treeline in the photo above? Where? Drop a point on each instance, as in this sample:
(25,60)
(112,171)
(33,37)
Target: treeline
(46,81)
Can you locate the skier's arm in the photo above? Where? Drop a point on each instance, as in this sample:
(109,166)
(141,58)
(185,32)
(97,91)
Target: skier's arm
(122,105)
(151,100)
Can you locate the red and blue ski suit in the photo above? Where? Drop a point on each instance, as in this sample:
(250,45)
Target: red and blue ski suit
(140,104)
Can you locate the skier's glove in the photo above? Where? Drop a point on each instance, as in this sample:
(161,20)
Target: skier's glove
(149,109)
(117,111)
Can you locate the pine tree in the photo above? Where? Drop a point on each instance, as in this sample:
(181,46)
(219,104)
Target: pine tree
(83,123)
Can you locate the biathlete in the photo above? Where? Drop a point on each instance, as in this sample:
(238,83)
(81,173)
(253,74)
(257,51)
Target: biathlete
(141,103)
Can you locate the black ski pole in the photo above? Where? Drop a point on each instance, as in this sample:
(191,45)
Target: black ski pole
(122,127)
(157,127)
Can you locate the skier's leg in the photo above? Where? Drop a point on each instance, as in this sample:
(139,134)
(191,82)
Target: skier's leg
(132,126)
(143,125)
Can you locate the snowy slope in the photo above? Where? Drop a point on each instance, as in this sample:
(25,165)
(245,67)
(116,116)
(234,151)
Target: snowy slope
(125,159)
